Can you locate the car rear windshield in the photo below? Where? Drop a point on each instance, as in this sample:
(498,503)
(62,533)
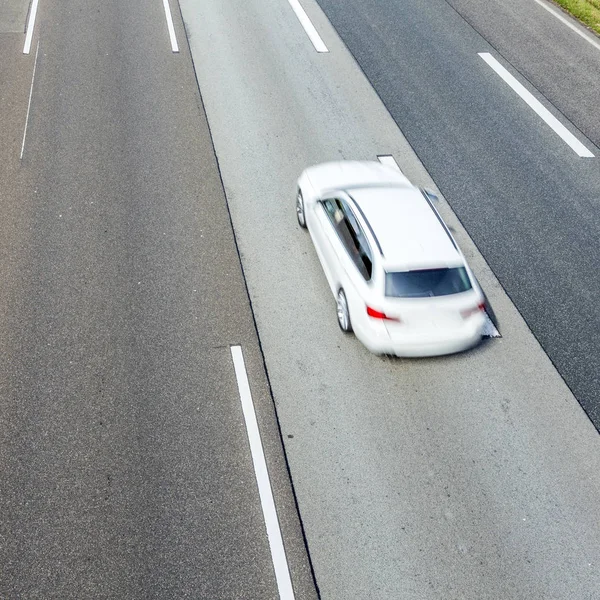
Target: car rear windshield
(427,282)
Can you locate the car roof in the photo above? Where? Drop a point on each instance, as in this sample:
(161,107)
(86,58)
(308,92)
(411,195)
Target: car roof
(408,231)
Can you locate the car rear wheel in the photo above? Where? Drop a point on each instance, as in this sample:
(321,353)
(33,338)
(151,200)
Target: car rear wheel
(343,314)
(300,210)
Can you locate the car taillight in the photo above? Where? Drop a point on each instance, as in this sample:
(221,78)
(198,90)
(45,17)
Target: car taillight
(376,314)
(465,314)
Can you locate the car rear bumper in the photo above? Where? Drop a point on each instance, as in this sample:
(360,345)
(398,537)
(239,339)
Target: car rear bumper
(425,344)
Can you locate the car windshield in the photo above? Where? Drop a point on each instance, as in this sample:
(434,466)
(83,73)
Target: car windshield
(427,282)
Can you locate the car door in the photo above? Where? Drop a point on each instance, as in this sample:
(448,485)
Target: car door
(351,257)
(324,235)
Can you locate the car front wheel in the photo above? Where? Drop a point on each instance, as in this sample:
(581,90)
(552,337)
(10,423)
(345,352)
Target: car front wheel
(300,210)
(343,314)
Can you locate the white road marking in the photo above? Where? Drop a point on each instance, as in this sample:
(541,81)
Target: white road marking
(389,160)
(312,33)
(489,329)
(30,26)
(170,26)
(537,106)
(29,103)
(282,573)
(570,25)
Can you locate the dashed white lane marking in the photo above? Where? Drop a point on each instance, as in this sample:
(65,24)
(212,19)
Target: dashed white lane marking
(388,160)
(568,23)
(537,106)
(170,26)
(489,329)
(282,573)
(29,103)
(306,23)
(30,26)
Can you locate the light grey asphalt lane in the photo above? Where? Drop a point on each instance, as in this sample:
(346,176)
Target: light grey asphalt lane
(13,14)
(530,204)
(126,470)
(474,476)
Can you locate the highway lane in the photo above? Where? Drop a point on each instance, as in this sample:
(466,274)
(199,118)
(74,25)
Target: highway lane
(126,467)
(530,204)
(562,65)
(472,476)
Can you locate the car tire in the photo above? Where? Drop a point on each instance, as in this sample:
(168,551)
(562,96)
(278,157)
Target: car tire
(300,215)
(343,312)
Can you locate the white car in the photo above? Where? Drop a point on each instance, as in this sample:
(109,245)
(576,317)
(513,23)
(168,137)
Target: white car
(399,279)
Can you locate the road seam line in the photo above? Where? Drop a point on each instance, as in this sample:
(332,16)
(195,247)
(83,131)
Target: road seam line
(570,25)
(282,572)
(170,26)
(309,28)
(29,103)
(537,107)
(30,26)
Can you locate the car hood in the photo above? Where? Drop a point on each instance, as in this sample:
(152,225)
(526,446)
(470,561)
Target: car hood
(345,175)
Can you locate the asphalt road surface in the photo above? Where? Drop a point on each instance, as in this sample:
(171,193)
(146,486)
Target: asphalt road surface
(473,476)
(148,225)
(126,467)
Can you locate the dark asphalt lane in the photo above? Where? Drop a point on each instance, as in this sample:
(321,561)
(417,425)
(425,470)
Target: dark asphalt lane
(560,64)
(529,203)
(126,470)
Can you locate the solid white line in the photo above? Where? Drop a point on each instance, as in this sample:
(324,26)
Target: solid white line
(312,33)
(170,26)
(30,95)
(389,160)
(537,106)
(30,25)
(570,25)
(282,573)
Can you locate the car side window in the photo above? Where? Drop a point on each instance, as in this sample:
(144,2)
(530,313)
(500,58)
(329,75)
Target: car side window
(330,209)
(363,256)
(351,235)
